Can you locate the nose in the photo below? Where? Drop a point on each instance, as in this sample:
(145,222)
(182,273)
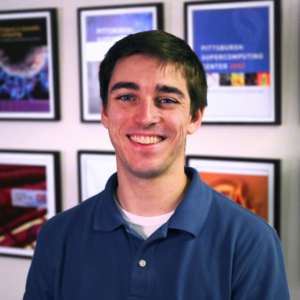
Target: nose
(146,112)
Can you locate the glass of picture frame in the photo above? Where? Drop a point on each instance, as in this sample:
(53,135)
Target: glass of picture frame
(94,169)
(238,43)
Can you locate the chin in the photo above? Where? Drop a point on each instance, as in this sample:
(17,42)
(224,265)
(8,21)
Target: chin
(146,173)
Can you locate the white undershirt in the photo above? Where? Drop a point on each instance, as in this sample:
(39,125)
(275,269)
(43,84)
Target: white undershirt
(144,226)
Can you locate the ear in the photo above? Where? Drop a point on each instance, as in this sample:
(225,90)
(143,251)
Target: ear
(196,121)
(104,117)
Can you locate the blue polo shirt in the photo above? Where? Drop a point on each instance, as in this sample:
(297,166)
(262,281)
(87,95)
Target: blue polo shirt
(211,248)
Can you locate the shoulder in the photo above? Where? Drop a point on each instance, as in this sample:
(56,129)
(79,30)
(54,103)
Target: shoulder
(242,232)
(80,220)
(252,245)
(74,218)
(236,217)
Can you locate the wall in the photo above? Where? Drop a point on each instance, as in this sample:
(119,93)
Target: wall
(69,135)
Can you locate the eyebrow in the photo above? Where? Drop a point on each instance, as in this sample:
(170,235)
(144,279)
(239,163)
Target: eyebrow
(159,88)
(169,89)
(126,85)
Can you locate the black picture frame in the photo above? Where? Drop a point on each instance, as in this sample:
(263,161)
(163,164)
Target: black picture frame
(240,48)
(30,193)
(253,183)
(94,169)
(98,25)
(29,65)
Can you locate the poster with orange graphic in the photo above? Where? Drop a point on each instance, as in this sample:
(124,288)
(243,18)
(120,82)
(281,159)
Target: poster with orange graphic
(251,183)
(250,191)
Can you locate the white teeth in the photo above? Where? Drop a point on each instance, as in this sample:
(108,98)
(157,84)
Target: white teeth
(146,140)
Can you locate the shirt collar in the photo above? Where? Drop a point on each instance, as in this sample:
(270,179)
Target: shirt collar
(190,215)
(107,216)
(193,210)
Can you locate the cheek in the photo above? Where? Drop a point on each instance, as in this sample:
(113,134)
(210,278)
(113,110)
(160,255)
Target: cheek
(183,132)
(116,119)
(179,128)
(118,123)
(181,123)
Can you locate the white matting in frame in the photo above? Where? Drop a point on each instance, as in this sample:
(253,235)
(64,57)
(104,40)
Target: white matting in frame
(239,46)
(252,183)
(29,195)
(95,168)
(99,28)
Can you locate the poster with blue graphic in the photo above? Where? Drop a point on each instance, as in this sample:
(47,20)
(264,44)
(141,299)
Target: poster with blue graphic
(26,70)
(235,43)
(99,30)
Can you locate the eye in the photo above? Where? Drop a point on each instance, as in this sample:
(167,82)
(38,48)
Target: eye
(125,97)
(168,101)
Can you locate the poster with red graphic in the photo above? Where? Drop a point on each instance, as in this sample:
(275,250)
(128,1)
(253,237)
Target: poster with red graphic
(29,196)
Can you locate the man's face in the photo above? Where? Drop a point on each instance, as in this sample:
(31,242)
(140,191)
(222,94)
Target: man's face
(148,116)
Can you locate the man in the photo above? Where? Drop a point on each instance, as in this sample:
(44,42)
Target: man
(156,231)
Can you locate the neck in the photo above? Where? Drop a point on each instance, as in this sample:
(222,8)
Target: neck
(151,197)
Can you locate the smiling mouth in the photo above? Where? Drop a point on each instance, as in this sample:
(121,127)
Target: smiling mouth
(146,139)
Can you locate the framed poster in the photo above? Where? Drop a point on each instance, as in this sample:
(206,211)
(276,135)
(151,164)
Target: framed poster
(29,77)
(238,43)
(29,195)
(94,169)
(99,28)
(252,183)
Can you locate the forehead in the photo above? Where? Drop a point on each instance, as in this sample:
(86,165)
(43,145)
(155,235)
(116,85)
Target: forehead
(142,67)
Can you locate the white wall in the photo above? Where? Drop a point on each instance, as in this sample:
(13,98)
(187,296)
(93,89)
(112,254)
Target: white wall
(69,135)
